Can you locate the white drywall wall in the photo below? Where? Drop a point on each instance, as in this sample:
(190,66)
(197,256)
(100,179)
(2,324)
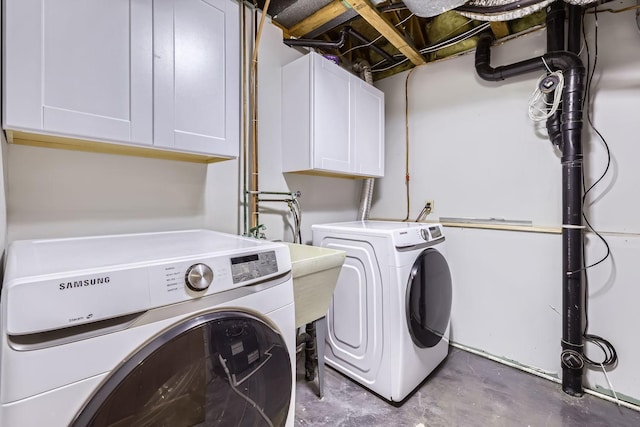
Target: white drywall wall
(58,193)
(475,152)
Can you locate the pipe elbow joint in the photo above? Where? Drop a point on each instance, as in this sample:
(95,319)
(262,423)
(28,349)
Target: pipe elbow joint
(564,61)
(483,59)
(486,72)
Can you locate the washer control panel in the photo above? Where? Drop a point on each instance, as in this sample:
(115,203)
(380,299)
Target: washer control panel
(253,266)
(179,281)
(198,277)
(106,277)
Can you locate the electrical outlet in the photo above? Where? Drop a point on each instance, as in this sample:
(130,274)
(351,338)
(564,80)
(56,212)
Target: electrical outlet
(429,205)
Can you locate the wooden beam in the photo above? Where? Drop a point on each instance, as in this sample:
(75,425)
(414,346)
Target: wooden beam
(384,27)
(500,29)
(318,18)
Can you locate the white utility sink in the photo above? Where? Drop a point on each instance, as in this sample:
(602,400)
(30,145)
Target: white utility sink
(315,273)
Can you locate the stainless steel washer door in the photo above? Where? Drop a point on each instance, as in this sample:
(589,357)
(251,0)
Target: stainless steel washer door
(226,368)
(428,304)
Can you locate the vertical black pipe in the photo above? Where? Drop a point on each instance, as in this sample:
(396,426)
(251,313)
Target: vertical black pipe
(572,170)
(572,237)
(310,356)
(555,27)
(574,33)
(572,162)
(555,42)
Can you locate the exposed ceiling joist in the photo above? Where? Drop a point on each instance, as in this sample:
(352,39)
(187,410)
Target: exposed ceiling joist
(500,29)
(384,27)
(318,18)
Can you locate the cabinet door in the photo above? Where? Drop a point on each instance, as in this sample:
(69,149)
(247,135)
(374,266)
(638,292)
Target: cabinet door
(197,90)
(80,68)
(332,144)
(368,114)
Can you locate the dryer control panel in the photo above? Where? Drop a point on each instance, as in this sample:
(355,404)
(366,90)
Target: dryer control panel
(417,234)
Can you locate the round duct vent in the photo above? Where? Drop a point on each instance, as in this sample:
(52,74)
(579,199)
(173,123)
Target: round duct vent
(427,9)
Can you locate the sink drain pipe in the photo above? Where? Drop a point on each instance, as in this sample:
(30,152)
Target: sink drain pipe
(572,161)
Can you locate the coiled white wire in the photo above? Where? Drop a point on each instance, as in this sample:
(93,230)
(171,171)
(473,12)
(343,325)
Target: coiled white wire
(539,108)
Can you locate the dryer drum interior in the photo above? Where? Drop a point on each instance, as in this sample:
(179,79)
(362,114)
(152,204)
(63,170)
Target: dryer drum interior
(428,303)
(223,368)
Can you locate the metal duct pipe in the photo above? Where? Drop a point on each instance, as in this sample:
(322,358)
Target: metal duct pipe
(366,193)
(498,6)
(501,10)
(572,162)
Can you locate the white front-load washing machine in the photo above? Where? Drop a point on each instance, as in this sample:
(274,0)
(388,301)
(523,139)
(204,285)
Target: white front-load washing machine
(388,322)
(182,328)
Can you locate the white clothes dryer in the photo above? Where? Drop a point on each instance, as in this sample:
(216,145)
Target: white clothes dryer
(388,322)
(182,328)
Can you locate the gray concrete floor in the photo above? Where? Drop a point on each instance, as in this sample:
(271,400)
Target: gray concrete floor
(465,390)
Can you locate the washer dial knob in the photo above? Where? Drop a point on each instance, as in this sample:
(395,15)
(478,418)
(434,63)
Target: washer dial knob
(199,277)
(424,233)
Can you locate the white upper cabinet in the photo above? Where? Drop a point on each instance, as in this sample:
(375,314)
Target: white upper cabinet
(196,51)
(147,73)
(368,128)
(333,121)
(79,68)
(333,148)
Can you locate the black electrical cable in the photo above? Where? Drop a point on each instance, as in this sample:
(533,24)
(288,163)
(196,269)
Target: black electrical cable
(609,351)
(587,100)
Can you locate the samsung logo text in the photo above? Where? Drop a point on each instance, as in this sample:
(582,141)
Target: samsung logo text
(84,283)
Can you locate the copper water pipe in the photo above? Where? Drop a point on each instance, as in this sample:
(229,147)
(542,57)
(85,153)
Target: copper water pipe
(245,219)
(253,182)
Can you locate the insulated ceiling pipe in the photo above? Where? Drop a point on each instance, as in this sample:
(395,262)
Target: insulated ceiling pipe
(501,10)
(572,161)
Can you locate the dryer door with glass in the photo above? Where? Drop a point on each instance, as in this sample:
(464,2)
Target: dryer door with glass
(226,368)
(428,304)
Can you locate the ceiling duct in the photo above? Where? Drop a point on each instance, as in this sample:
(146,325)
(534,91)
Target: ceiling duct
(427,9)
(580,2)
(506,10)
(502,10)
